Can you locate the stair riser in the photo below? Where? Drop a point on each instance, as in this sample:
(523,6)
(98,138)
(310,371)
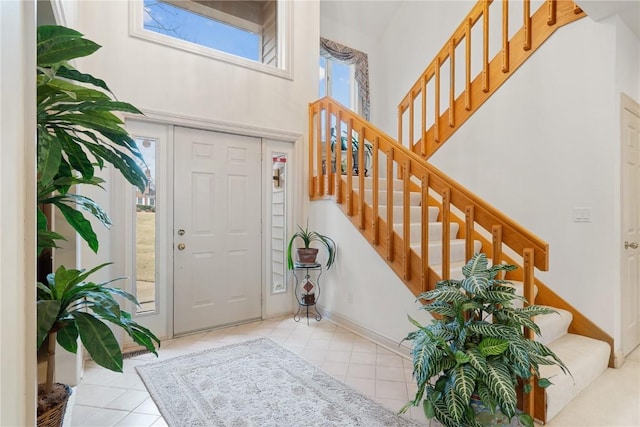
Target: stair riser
(435,231)
(398,185)
(415,213)
(398,198)
(457,251)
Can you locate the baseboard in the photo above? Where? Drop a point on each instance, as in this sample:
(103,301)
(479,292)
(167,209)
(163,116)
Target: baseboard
(358,329)
(618,359)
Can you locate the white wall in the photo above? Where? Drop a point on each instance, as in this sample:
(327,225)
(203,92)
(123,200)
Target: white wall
(194,89)
(360,286)
(17,216)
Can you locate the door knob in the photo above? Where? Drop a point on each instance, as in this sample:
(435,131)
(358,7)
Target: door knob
(181,246)
(181,232)
(632,245)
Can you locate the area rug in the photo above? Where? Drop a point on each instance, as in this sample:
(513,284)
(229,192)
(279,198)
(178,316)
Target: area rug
(257,383)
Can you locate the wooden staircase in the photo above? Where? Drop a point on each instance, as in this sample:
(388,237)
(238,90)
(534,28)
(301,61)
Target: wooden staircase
(425,226)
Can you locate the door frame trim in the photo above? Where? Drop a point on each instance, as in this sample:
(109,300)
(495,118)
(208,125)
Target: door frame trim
(170,120)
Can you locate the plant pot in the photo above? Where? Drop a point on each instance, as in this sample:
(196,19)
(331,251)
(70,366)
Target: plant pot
(55,403)
(306,255)
(486,418)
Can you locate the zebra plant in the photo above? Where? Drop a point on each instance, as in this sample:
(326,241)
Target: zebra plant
(476,350)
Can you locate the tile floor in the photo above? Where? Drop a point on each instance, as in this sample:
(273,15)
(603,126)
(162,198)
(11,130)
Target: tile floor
(105,398)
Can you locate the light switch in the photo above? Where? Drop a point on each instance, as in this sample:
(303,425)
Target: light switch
(581,214)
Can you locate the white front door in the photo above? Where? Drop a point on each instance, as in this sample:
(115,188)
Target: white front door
(217,229)
(630,229)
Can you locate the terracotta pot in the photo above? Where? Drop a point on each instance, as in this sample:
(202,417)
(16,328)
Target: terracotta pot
(306,255)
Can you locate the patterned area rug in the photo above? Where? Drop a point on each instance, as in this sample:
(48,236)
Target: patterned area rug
(257,383)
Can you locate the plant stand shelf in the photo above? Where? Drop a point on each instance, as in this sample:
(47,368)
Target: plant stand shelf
(307,290)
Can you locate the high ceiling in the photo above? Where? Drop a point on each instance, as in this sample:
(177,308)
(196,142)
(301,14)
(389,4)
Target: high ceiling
(369,17)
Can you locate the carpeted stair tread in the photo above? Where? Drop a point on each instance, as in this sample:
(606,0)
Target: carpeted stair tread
(457,250)
(553,326)
(415,212)
(398,184)
(398,197)
(435,231)
(585,357)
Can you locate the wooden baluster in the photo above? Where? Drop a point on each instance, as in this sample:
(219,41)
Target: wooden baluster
(350,168)
(312,123)
(424,238)
(576,9)
(505,36)
(485,47)
(551,6)
(327,154)
(338,153)
(406,221)
(361,172)
(400,112)
(411,121)
(467,60)
(424,115)
(528,279)
(320,177)
(390,154)
(452,81)
(375,238)
(496,237)
(469,232)
(446,234)
(527,24)
(436,110)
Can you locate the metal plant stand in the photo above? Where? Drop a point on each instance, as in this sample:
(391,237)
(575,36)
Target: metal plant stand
(307,290)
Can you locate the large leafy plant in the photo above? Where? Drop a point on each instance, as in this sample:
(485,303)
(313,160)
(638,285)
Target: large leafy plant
(69,307)
(78,132)
(476,347)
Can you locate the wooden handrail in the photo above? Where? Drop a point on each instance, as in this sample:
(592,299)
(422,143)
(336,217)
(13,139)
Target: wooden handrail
(514,235)
(535,29)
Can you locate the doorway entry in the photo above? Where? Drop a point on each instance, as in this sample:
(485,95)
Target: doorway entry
(630,271)
(217,241)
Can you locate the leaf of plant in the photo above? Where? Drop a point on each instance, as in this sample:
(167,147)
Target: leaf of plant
(493,346)
(544,382)
(68,337)
(498,380)
(46,317)
(75,155)
(99,341)
(526,420)
(477,265)
(49,156)
(80,224)
(53,33)
(72,74)
(65,50)
(475,285)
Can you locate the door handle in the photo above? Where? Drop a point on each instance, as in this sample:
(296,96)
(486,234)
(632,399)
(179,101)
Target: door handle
(632,245)
(181,232)
(181,246)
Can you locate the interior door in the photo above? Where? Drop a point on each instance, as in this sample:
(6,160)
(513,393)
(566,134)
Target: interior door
(630,230)
(217,229)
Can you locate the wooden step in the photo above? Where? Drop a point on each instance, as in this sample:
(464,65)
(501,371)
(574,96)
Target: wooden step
(585,357)
(435,231)
(415,213)
(457,251)
(398,198)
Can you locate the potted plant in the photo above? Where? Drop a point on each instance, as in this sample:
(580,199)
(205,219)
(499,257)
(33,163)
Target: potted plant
(355,146)
(307,254)
(77,133)
(468,361)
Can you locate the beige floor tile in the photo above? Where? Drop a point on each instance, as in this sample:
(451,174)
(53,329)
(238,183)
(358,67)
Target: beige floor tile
(336,369)
(390,373)
(391,390)
(634,355)
(135,419)
(160,423)
(363,385)
(128,400)
(338,356)
(389,360)
(358,370)
(364,347)
(89,416)
(147,407)
(96,395)
(363,358)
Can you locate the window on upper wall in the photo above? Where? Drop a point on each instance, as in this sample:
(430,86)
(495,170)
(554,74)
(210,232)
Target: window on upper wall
(243,32)
(337,81)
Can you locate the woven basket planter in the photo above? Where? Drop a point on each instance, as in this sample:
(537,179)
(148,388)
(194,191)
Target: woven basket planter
(54,416)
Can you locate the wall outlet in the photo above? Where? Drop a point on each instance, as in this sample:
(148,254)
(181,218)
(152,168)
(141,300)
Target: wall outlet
(581,214)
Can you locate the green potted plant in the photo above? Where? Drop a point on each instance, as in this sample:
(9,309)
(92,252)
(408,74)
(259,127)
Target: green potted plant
(355,146)
(467,362)
(308,254)
(78,133)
